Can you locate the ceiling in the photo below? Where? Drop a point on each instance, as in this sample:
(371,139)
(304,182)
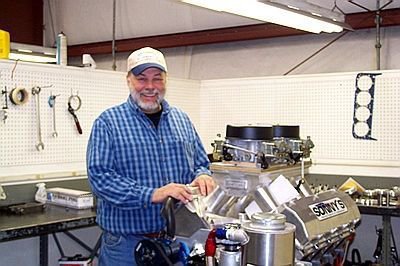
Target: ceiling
(169,23)
(348,7)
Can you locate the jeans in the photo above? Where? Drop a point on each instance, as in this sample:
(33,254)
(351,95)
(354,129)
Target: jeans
(118,250)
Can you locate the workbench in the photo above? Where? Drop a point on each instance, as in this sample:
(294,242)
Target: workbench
(51,220)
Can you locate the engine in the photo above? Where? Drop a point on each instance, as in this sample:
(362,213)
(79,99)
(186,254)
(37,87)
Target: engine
(261,187)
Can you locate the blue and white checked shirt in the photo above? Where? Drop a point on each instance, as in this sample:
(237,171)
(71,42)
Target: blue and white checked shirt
(128,158)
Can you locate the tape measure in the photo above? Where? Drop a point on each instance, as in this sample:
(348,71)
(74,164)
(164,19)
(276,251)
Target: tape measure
(19,96)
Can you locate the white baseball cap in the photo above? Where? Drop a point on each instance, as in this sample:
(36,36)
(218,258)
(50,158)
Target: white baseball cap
(144,58)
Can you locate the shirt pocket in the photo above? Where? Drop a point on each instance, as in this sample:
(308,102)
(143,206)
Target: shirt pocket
(180,160)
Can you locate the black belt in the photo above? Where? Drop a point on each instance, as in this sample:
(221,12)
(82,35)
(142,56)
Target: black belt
(152,235)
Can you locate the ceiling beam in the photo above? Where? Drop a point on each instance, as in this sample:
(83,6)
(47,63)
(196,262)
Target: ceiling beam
(390,17)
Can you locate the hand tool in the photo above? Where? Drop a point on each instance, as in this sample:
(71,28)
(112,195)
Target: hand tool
(36,91)
(52,104)
(4,113)
(72,110)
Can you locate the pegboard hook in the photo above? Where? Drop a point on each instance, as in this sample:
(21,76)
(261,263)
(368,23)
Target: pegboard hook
(74,95)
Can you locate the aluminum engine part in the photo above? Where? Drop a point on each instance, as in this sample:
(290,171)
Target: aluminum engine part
(316,231)
(321,220)
(252,160)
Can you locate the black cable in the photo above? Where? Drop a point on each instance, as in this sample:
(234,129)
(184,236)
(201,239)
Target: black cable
(355,253)
(317,52)
(168,214)
(335,6)
(163,254)
(114,66)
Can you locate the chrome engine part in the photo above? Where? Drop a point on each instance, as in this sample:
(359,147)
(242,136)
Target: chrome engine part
(271,240)
(261,170)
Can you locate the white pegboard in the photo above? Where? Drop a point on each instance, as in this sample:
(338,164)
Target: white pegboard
(97,89)
(322,105)
(184,93)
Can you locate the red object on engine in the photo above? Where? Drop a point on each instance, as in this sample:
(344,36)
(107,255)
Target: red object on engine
(211,244)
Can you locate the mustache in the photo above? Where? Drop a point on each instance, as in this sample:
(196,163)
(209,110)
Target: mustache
(150,92)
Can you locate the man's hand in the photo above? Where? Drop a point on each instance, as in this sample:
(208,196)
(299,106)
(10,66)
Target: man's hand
(177,191)
(206,184)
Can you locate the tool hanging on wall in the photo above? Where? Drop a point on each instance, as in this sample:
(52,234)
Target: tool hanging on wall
(74,104)
(19,96)
(52,104)
(4,113)
(36,91)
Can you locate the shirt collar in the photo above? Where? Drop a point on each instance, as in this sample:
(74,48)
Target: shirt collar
(136,108)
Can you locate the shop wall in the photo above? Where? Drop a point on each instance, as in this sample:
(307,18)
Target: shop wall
(276,56)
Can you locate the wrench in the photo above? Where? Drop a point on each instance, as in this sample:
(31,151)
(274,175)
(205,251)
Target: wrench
(74,104)
(3,112)
(52,104)
(35,92)
(77,124)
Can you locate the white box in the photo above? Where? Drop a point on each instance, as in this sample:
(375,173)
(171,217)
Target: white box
(72,198)
(75,261)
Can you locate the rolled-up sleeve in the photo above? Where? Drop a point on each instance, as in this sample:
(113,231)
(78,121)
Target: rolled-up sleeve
(201,161)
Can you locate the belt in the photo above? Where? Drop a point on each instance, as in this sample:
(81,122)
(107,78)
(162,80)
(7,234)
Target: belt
(152,235)
(148,235)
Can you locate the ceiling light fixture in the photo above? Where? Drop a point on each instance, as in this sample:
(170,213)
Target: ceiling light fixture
(298,14)
(32,53)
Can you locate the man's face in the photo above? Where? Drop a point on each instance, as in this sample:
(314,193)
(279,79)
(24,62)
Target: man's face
(148,89)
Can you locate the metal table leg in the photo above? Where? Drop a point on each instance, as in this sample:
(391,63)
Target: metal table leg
(96,247)
(386,240)
(44,250)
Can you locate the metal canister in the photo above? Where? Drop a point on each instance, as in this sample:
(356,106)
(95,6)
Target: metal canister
(271,240)
(231,257)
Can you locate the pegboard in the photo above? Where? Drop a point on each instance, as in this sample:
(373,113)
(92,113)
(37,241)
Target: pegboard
(322,105)
(97,89)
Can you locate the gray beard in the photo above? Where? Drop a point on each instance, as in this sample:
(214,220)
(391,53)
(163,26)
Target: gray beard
(147,107)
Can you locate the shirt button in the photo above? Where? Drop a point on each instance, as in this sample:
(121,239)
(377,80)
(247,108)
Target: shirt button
(145,205)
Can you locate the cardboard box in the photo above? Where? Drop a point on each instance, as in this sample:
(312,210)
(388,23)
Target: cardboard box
(72,198)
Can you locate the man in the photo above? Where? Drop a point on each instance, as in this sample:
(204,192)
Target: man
(140,153)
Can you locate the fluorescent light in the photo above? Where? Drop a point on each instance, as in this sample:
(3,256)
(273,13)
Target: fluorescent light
(24,51)
(32,58)
(293,7)
(316,14)
(32,53)
(296,14)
